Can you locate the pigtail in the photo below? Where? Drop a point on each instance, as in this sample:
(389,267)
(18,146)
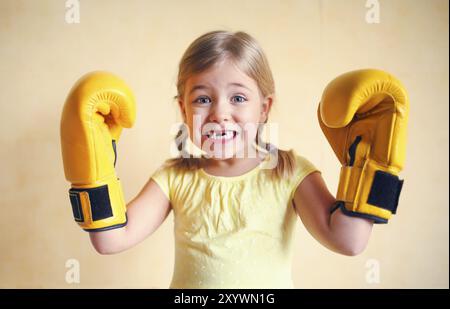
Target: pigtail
(184,160)
(285,160)
(268,147)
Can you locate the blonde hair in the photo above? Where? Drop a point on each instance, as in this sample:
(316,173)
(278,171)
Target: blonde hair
(203,53)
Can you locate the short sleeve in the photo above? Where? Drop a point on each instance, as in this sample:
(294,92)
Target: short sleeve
(162,177)
(303,169)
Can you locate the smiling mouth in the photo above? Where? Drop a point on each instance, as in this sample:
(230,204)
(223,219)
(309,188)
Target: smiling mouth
(222,135)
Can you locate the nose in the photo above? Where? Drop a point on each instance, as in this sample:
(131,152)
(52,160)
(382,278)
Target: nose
(220,112)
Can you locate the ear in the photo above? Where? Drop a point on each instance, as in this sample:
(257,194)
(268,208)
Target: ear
(266,107)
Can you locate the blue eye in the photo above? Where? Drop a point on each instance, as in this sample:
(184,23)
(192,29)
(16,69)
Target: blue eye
(243,99)
(201,98)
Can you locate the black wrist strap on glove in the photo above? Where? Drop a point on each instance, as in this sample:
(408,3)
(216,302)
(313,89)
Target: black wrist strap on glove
(384,193)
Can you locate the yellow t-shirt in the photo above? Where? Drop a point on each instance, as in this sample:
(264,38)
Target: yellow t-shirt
(232,232)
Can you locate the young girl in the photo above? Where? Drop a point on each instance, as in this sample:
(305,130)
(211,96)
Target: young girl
(235,206)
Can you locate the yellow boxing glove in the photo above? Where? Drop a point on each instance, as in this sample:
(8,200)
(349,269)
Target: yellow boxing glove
(97,108)
(364,116)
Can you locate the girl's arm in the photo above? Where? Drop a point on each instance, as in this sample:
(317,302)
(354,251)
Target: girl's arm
(146,212)
(338,232)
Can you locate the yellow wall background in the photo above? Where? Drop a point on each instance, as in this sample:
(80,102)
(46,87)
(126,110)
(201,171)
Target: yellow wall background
(307,43)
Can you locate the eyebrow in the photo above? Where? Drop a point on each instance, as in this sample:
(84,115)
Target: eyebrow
(197,87)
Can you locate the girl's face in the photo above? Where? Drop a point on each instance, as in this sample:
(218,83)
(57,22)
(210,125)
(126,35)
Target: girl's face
(222,108)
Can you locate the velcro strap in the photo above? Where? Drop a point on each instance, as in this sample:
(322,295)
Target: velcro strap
(95,199)
(76,206)
(385,191)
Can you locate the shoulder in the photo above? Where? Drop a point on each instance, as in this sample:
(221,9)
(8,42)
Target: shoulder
(173,175)
(165,173)
(305,168)
(301,167)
